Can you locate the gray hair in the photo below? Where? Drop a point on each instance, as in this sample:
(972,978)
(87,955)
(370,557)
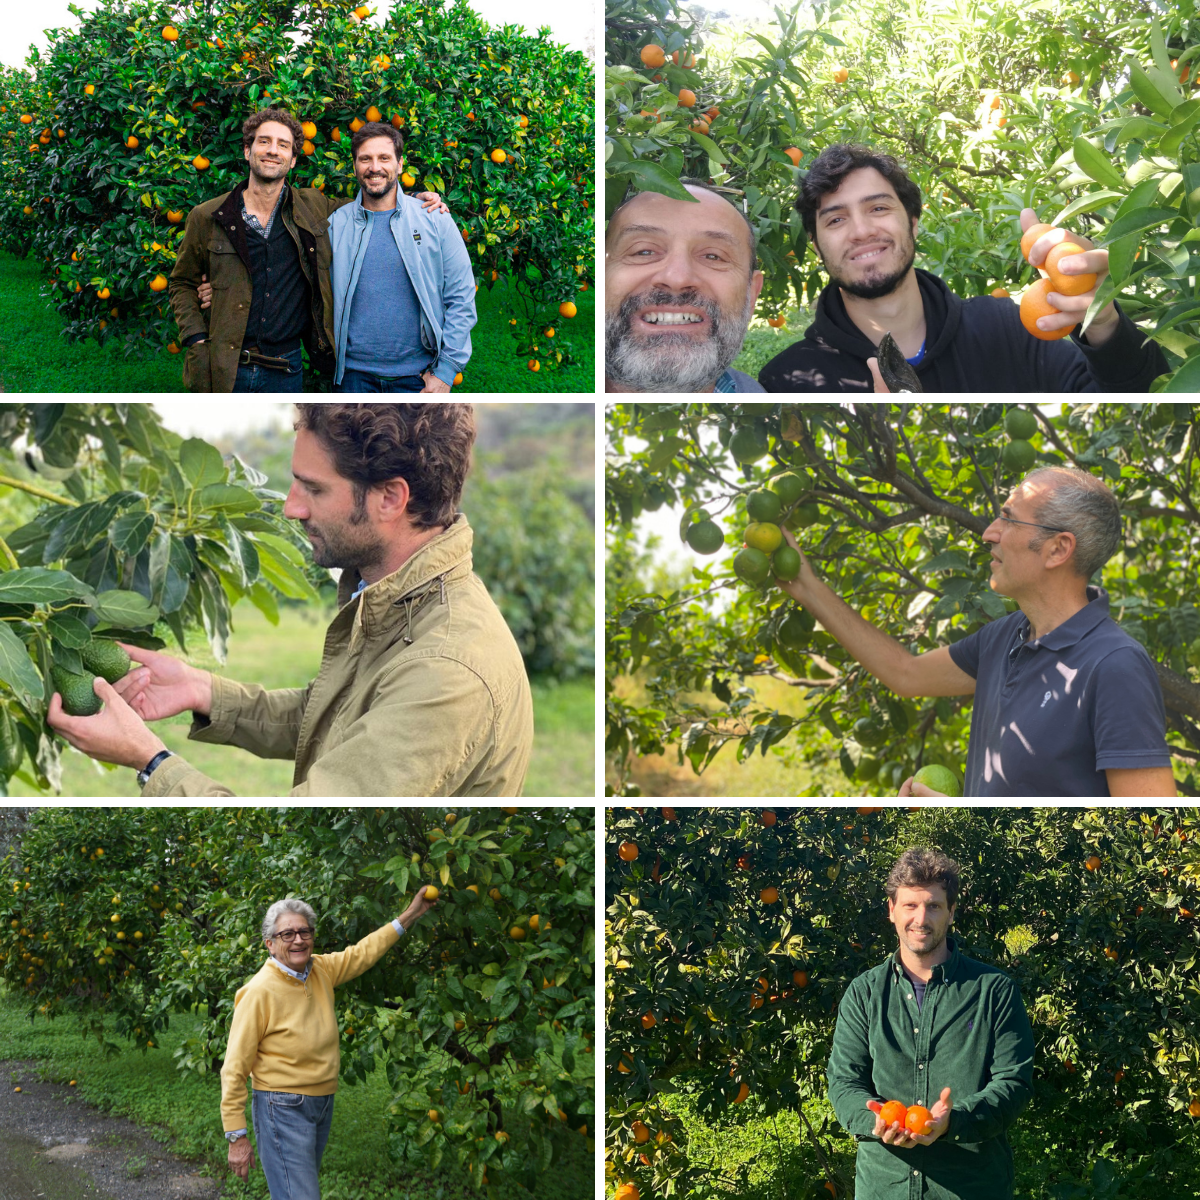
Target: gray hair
(289,905)
(1079,502)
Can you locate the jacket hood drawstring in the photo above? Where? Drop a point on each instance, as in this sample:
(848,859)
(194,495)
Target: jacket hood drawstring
(416,600)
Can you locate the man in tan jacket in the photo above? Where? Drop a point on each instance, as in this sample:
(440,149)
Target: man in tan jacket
(422,690)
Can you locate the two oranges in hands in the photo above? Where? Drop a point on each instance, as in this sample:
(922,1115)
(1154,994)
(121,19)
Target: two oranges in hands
(1073,270)
(908,1125)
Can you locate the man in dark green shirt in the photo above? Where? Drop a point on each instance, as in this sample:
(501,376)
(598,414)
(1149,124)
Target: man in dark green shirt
(931,1027)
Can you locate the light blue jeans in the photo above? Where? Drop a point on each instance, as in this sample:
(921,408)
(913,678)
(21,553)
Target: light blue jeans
(291,1131)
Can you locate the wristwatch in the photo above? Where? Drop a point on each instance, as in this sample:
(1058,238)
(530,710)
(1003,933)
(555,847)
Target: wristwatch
(233,1137)
(143,776)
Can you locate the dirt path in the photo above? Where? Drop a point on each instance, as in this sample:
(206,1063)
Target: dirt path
(54,1146)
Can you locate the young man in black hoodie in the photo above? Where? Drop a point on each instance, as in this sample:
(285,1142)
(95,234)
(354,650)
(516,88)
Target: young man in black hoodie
(860,210)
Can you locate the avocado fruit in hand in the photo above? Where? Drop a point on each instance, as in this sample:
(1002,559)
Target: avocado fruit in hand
(106,659)
(78,698)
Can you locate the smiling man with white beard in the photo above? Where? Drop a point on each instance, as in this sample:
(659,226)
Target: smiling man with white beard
(680,287)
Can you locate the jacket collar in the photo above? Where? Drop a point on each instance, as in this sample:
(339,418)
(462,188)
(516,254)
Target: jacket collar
(444,557)
(402,202)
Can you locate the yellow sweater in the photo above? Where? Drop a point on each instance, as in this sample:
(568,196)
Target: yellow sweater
(284,1032)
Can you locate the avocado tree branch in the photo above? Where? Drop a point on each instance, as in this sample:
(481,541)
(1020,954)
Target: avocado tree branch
(1179,692)
(34,490)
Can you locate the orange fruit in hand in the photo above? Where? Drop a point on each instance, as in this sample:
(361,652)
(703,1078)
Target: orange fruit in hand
(1031,235)
(918,1120)
(687,98)
(1034,305)
(894,1111)
(795,154)
(1067,285)
(627,851)
(653,55)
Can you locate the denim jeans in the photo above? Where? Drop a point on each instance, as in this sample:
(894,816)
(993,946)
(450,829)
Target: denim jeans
(264,379)
(363,381)
(291,1131)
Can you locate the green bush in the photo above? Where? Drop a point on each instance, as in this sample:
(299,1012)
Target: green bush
(535,550)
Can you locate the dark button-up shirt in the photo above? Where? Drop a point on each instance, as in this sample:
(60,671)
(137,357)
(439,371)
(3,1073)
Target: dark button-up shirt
(971,1035)
(1052,715)
(280,298)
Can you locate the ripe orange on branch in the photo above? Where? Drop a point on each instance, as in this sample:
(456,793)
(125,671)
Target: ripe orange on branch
(687,98)
(653,55)
(627,851)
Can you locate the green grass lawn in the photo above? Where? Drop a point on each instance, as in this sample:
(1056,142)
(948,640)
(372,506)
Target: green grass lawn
(35,357)
(763,343)
(183,1110)
(289,655)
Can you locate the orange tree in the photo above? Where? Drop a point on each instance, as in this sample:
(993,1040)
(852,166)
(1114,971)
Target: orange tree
(890,503)
(144,103)
(732,935)
(1083,111)
(481,1019)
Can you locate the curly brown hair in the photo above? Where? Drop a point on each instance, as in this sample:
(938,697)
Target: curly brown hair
(251,123)
(920,867)
(427,445)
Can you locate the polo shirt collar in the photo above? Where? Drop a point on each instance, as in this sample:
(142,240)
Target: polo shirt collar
(1076,628)
(949,968)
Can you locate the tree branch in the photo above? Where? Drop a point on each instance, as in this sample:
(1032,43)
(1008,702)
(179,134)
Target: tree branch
(34,490)
(1180,693)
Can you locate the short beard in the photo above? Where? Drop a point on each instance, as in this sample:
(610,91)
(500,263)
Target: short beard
(349,546)
(259,177)
(884,286)
(672,362)
(386,187)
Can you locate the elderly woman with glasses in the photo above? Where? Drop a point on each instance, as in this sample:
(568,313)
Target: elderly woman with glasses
(284,1035)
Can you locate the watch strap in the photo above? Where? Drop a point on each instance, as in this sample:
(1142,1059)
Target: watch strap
(143,776)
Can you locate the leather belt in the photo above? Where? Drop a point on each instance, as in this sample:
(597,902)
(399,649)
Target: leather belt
(252,358)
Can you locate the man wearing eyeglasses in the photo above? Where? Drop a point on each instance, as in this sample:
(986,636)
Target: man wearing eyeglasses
(284,1035)
(1066,702)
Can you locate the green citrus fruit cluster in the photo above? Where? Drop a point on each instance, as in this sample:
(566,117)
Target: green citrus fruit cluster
(1020,425)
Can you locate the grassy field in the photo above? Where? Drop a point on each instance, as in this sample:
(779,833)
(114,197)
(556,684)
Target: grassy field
(183,1111)
(662,774)
(35,357)
(763,343)
(289,655)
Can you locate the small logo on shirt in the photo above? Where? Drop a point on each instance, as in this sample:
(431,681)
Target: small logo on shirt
(970,1024)
(416,237)
(1045,700)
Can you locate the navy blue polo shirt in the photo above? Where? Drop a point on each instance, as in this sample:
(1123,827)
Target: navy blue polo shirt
(1052,716)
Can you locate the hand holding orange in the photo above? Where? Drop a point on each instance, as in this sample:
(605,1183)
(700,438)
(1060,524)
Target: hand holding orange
(1073,270)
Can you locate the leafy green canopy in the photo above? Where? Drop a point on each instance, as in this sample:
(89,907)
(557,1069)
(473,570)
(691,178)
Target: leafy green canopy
(709,987)
(123,916)
(110,180)
(140,533)
(1080,110)
(894,501)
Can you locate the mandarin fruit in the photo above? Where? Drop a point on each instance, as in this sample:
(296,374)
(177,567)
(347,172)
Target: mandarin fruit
(1034,305)
(1031,235)
(1067,285)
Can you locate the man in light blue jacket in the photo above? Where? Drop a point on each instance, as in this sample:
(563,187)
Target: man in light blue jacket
(403,288)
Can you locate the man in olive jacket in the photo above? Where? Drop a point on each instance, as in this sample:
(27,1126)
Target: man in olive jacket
(422,690)
(931,1027)
(264,248)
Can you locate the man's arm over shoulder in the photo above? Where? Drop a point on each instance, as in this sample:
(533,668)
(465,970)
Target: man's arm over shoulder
(988,1113)
(849,1069)
(458,297)
(190,266)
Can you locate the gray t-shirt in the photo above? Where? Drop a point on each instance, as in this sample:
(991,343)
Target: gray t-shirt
(1051,716)
(384,335)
